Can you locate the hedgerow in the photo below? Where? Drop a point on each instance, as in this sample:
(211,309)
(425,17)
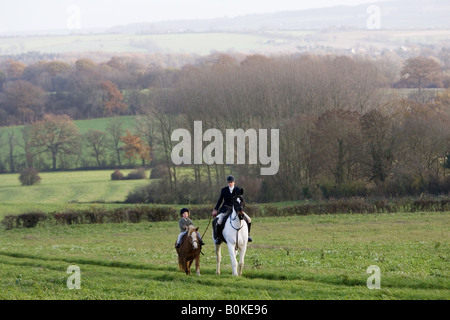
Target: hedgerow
(141,213)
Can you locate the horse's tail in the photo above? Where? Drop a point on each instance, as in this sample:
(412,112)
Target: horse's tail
(181,263)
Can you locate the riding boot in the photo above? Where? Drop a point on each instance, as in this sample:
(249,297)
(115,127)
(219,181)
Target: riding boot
(249,227)
(219,228)
(215,233)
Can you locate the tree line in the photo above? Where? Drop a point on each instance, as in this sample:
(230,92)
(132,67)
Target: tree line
(345,128)
(55,143)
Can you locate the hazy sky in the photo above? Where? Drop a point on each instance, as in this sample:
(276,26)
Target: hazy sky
(35,15)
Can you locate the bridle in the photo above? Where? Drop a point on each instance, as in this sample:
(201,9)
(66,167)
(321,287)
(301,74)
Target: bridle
(240,216)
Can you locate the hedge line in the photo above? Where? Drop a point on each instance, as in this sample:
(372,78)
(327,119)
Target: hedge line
(150,213)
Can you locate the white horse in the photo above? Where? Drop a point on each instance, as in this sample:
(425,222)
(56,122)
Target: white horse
(235,233)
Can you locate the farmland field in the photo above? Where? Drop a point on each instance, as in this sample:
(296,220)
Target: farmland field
(299,257)
(63,190)
(204,43)
(296,257)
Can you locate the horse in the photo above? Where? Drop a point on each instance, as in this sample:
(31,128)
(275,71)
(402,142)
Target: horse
(235,234)
(189,250)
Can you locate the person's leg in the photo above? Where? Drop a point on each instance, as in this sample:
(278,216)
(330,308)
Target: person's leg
(179,239)
(217,228)
(200,239)
(249,224)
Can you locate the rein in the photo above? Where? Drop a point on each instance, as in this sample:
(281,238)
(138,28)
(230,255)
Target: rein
(237,230)
(207,226)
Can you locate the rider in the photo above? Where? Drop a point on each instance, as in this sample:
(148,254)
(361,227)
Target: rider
(226,196)
(183,223)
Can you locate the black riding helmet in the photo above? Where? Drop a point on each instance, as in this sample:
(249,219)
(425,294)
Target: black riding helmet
(230,179)
(185,210)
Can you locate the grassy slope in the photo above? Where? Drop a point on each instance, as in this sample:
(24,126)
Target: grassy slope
(307,257)
(206,42)
(200,43)
(62,190)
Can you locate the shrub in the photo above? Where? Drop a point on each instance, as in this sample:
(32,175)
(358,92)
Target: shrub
(159,172)
(133,215)
(29,177)
(136,174)
(116,175)
(162,214)
(95,215)
(30,220)
(68,217)
(9,221)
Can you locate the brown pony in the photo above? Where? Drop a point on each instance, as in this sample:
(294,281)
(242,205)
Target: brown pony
(189,250)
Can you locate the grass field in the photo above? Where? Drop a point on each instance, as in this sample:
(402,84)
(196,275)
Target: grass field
(63,190)
(200,43)
(297,257)
(302,257)
(203,43)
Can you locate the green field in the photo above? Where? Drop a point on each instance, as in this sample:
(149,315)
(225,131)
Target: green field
(204,43)
(63,190)
(302,257)
(297,257)
(200,43)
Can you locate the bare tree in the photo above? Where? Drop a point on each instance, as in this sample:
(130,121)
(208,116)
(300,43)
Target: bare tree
(114,128)
(378,145)
(55,135)
(420,71)
(12,142)
(97,142)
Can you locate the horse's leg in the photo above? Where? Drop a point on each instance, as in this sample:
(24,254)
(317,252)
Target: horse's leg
(197,264)
(218,257)
(188,267)
(242,251)
(232,251)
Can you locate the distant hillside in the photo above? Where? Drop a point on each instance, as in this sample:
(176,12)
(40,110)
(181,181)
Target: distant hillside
(400,14)
(340,29)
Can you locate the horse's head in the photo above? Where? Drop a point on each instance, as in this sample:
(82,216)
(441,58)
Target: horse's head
(192,233)
(239,204)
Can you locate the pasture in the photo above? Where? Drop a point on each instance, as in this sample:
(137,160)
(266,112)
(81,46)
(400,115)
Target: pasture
(295,257)
(203,43)
(63,190)
(298,257)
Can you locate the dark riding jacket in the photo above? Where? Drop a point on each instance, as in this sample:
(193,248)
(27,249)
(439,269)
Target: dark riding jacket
(227,198)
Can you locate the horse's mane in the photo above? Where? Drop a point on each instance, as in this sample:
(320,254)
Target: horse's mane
(191,229)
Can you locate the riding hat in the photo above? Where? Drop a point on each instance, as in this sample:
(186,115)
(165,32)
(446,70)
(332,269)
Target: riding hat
(185,210)
(230,179)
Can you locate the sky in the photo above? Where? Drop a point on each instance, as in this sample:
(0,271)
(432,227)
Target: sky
(33,15)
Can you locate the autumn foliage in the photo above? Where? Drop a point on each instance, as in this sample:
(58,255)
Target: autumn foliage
(135,147)
(112,99)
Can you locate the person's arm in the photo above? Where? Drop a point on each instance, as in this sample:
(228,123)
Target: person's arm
(182,225)
(219,202)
